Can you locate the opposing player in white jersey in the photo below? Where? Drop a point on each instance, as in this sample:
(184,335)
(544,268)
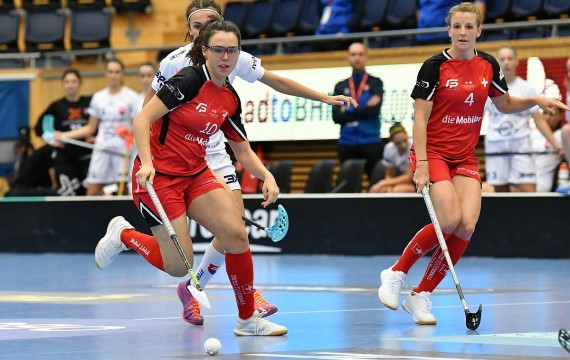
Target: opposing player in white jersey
(248,68)
(116,105)
(510,133)
(547,164)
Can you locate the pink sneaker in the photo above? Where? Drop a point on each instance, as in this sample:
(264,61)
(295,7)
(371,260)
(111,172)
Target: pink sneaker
(191,312)
(262,306)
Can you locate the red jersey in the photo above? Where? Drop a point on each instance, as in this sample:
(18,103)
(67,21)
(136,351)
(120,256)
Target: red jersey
(198,108)
(458,90)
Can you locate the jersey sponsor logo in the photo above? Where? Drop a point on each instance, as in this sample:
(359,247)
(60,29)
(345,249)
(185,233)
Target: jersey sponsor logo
(174,56)
(423,84)
(527,175)
(175,91)
(506,128)
(230,179)
(160,78)
(198,140)
(461,120)
(452,83)
(253,62)
(201,107)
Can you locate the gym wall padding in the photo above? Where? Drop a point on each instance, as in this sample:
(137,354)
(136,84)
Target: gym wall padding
(530,226)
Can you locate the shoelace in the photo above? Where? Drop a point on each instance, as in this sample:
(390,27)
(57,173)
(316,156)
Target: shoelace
(397,282)
(258,299)
(194,306)
(424,303)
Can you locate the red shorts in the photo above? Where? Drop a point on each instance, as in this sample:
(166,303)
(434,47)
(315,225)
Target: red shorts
(174,192)
(441,169)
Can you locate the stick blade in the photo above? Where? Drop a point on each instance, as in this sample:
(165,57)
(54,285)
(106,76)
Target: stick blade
(200,296)
(473,320)
(278,230)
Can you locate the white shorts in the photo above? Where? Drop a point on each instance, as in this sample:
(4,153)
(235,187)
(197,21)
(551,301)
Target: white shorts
(222,165)
(510,169)
(106,168)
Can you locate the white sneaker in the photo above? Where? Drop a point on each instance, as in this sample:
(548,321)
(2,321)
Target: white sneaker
(258,326)
(419,306)
(389,291)
(111,245)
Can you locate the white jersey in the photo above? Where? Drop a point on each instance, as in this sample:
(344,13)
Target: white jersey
(392,158)
(113,110)
(510,126)
(546,164)
(248,68)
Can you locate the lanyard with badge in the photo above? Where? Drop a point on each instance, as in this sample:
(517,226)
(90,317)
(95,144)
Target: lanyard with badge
(356,95)
(326,13)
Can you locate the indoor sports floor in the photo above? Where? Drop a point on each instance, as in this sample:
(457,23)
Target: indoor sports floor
(60,306)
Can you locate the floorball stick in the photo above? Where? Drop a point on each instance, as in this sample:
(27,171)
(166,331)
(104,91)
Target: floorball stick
(472,320)
(278,230)
(197,291)
(127,136)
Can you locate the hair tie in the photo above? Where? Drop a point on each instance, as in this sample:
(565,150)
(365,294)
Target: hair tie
(205,9)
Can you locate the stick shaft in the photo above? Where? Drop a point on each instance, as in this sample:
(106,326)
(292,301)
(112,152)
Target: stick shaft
(171,232)
(251,222)
(443,245)
(91,146)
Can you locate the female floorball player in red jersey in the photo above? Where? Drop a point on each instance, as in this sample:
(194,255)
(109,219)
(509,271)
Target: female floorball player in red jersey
(450,95)
(171,134)
(250,69)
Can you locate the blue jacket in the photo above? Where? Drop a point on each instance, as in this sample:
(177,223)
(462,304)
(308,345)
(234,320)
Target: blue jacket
(359,125)
(342,12)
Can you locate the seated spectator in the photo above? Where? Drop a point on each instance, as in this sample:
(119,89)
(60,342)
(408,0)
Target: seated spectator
(547,164)
(35,175)
(433,13)
(337,17)
(68,113)
(399,176)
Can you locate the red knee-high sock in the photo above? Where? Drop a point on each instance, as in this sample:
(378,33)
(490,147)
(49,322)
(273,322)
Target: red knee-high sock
(145,245)
(437,267)
(240,272)
(421,243)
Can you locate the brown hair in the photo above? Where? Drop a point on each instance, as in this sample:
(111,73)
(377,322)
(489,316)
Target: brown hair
(196,5)
(467,7)
(213,25)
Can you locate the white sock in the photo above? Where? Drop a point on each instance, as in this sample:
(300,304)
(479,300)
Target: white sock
(209,265)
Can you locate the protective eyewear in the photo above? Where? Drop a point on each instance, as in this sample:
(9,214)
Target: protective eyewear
(220,50)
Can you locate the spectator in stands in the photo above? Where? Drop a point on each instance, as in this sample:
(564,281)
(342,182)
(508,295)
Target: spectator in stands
(547,164)
(146,74)
(399,176)
(70,162)
(510,133)
(432,13)
(450,94)
(110,109)
(359,127)
(337,17)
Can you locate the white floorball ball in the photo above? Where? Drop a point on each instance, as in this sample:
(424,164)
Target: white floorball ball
(212,346)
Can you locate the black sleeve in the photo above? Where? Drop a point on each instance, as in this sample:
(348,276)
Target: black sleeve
(338,116)
(233,127)
(181,88)
(428,79)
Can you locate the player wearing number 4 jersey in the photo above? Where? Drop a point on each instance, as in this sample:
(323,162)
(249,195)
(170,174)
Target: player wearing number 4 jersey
(248,68)
(450,95)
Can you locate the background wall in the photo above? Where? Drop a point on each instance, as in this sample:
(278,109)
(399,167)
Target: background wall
(510,226)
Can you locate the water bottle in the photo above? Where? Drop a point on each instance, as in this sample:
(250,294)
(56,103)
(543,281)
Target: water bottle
(563,183)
